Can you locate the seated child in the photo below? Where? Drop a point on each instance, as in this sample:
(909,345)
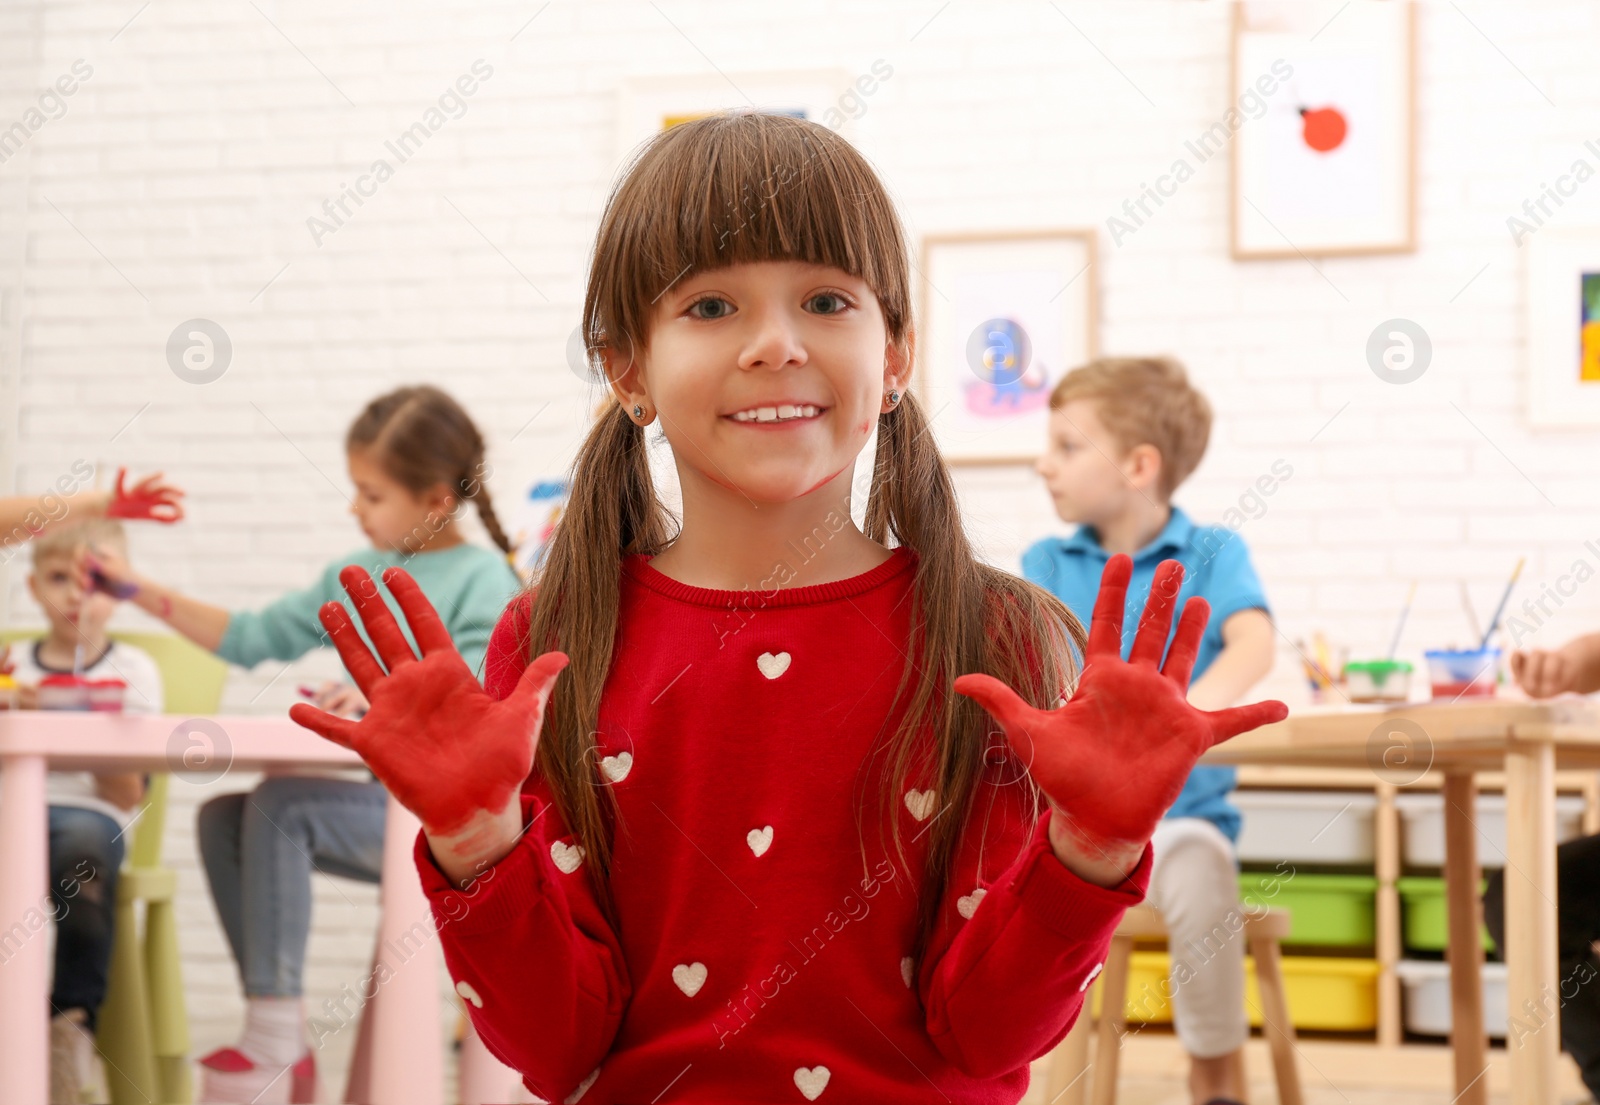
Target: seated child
(1124,433)
(1575,666)
(89,812)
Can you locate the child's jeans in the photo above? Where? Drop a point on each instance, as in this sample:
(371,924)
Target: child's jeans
(1577,929)
(259,851)
(1194,884)
(86,850)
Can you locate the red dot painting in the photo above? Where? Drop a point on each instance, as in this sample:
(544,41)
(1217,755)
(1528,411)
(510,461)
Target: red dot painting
(1323,128)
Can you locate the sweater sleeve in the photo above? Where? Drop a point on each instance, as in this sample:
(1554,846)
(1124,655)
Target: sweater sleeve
(527,942)
(1010,958)
(285,629)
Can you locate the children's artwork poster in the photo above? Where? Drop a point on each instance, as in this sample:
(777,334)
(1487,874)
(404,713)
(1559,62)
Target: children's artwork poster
(1323,148)
(1005,317)
(533,524)
(1564,326)
(649,105)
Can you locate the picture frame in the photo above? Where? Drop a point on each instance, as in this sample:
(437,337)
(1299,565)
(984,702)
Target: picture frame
(1004,316)
(1563,281)
(650,104)
(1329,168)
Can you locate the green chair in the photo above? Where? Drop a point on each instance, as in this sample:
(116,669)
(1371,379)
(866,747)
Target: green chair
(143,1034)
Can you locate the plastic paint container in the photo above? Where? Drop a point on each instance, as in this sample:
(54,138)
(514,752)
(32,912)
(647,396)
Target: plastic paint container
(8,692)
(73,692)
(107,695)
(63,692)
(1378,680)
(1463,673)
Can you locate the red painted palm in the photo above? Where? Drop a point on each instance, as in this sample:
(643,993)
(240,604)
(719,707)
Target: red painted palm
(1114,758)
(432,735)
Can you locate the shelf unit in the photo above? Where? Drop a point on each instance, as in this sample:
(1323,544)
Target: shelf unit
(1387,865)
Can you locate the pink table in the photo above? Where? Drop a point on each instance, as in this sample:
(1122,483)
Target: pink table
(407,1063)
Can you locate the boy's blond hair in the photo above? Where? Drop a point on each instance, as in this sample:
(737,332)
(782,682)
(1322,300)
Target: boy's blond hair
(1145,401)
(64,540)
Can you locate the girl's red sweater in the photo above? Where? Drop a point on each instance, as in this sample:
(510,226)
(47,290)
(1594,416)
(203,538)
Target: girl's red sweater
(764,938)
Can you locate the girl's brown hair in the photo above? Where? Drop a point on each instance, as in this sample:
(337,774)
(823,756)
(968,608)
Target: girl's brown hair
(748,187)
(421,437)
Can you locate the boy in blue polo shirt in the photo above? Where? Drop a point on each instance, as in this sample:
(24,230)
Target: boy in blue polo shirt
(1124,433)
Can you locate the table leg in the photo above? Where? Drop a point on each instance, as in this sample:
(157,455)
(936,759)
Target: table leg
(1534,1040)
(25,910)
(1461,874)
(407,1033)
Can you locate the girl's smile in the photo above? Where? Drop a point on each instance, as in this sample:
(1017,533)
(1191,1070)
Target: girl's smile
(778,413)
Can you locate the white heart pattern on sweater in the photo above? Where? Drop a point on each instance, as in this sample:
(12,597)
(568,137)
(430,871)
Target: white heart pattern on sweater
(920,803)
(967,904)
(759,840)
(689,977)
(812,1081)
(906,965)
(616,767)
(771,665)
(468,993)
(1094,974)
(568,857)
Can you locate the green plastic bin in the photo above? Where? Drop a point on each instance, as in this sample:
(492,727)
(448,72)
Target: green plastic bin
(1425,919)
(1329,910)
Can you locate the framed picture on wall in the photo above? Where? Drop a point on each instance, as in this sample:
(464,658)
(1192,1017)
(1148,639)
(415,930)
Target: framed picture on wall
(1564,327)
(649,105)
(1323,130)
(1004,316)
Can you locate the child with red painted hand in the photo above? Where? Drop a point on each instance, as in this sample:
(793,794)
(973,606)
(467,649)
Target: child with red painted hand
(415,459)
(1125,432)
(750,846)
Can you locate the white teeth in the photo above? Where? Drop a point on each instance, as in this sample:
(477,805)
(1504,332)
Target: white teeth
(781,413)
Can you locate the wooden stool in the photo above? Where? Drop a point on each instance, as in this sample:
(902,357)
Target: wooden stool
(1069,1065)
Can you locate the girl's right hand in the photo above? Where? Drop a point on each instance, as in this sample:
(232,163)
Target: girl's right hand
(433,736)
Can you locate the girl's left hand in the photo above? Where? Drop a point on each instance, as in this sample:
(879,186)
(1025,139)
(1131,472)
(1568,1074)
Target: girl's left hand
(102,568)
(1113,759)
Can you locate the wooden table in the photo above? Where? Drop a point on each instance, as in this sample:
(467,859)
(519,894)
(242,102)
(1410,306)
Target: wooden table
(1527,739)
(407,1062)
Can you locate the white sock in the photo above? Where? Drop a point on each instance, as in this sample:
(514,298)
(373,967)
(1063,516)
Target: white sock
(274,1031)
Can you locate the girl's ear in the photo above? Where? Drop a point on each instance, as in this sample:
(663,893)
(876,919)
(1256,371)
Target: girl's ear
(898,361)
(626,377)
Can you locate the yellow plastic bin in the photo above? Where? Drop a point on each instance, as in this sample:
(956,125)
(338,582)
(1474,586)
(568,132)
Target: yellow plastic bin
(1325,993)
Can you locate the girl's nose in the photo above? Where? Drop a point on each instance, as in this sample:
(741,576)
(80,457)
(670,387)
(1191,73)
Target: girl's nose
(774,342)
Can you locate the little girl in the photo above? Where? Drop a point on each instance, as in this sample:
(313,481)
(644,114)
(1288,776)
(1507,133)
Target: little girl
(751,848)
(414,457)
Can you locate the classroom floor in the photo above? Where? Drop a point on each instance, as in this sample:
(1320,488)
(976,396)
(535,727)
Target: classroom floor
(1154,1072)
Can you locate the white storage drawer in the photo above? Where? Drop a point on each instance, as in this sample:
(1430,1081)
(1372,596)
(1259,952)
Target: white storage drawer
(1422,827)
(1426,984)
(1306,826)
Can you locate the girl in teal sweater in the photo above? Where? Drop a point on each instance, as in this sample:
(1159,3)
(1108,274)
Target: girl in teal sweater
(415,458)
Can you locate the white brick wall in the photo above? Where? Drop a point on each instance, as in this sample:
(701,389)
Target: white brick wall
(190,161)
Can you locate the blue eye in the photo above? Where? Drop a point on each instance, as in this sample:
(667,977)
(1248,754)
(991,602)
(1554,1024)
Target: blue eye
(715,307)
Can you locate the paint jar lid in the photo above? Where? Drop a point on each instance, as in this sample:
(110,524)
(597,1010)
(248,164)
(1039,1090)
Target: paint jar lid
(1378,668)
